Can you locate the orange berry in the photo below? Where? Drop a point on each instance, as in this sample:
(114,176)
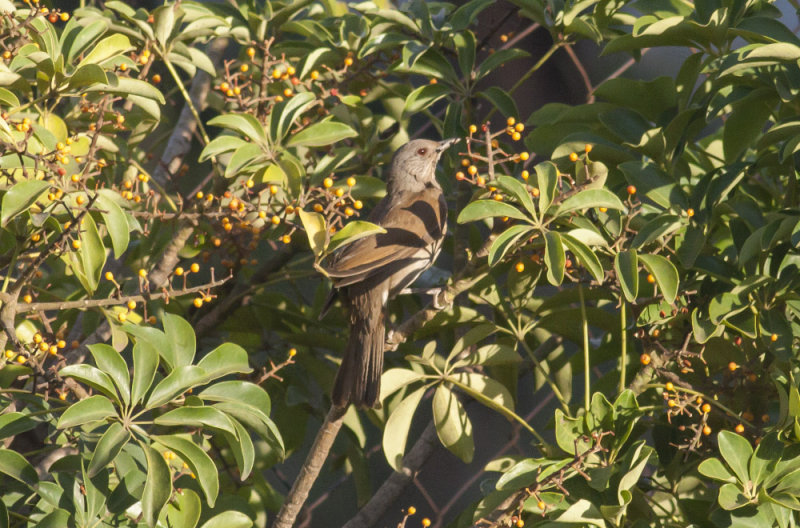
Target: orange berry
(587,148)
(650,278)
(732,366)
(195,267)
(573,156)
(348,61)
(473,129)
(706,408)
(426,522)
(511,121)
(773,337)
(519,127)
(460,176)
(602,209)
(481,181)
(520,267)
(645,359)
(631,189)
(286,239)
(739,428)
(690,212)
(706,430)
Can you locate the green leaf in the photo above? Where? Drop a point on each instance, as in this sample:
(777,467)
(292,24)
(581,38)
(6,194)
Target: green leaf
(75,41)
(480,209)
(164,23)
(485,389)
(91,409)
(714,469)
(314,225)
(115,221)
(353,231)
(505,241)
(108,48)
(321,134)
(585,255)
(219,145)
(656,228)
(184,510)
(520,193)
(247,125)
(229,519)
(665,273)
(87,75)
(284,114)
(8,98)
(588,199)
(197,460)
(500,100)
(111,363)
(731,497)
(20,197)
(196,417)
(92,376)
(107,449)
(452,424)
(395,379)
(181,338)
(242,448)
(15,466)
(703,328)
(499,59)
(242,392)
(14,423)
(554,257)
(228,358)
(145,363)
(547,178)
(626,264)
(179,381)
(157,487)
(736,451)
(395,433)
(490,355)
(423,97)
(88,261)
(127,87)
(746,123)
(464,42)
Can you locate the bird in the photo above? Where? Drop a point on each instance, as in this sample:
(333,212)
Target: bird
(372,270)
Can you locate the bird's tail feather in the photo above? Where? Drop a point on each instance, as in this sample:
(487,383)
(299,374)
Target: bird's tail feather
(359,378)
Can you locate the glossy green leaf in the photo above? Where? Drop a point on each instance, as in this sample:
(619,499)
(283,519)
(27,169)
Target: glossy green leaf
(665,273)
(736,451)
(181,339)
(490,355)
(90,409)
(660,226)
(589,199)
(714,469)
(107,449)
(164,23)
(423,97)
(703,328)
(15,466)
(13,423)
(127,87)
(452,424)
(547,179)
(746,123)
(500,99)
(145,363)
(157,487)
(395,433)
(115,221)
(177,382)
(464,43)
(499,59)
(111,363)
(314,225)
(242,448)
(91,376)
(229,519)
(88,261)
(228,358)
(554,257)
(323,133)
(481,209)
(352,231)
(197,460)
(184,510)
(731,497)
(197,417)
(87,75)
(108,48)
(220,145)
(519,191)
(395,379)
(505,241)
(485,389)
(284,114)
(75,39)
(626,265)
(585,256)
(247,125)
(20,197)
(237,391)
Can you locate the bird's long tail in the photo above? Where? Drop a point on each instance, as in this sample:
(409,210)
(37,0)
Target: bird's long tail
(359,378)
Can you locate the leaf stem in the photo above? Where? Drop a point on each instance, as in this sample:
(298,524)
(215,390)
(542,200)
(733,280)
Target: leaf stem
(586,365)
(623,337)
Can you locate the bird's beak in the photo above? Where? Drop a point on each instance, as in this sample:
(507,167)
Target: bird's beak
(447,143)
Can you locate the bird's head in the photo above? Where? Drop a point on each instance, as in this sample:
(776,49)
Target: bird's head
(414,164)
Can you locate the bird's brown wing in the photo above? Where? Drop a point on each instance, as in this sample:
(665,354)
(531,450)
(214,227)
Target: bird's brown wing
(416,221)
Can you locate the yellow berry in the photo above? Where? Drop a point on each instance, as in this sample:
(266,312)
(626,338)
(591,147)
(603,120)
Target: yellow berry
(109,276)
(511,121)
(732,366)
(243,68)
(773,337)
(122,317)
(251,52)
(472,169)
(327,183)
(524,156)
(573,156)
(276,220)
(76,244)
(602,209)
(669,386)
(358,204)
(480,180)
(21,359)
(519,127)
(516,136)
(706,408)
(27,298)
(286,239)
(339,192)
(53,350)
(426,522)
(671,403)
(739,428)
(292,352)
(473,129)
(61,344)
(273,189)
(706,430)
(411,510)
(179,271)
(314,75)
(351,181)
(143,272)
(276,73)
(131,305)
(690,212)
(195,267)
(198,302)
(9,354)
(520,267)
(348,61)
(288,92)
(587,148)
(650,278)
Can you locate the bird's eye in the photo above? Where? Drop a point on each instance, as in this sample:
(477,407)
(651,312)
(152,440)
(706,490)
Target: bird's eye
(422,151)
